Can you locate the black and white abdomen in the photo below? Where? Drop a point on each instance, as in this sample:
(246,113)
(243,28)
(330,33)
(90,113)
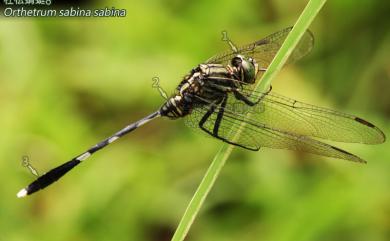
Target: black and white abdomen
(175,107)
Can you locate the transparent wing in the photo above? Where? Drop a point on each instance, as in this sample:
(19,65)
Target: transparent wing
(255,134)
(264,50)
(280,112)
(283,113)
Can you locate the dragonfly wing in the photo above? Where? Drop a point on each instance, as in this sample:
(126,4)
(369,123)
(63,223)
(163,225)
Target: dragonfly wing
(283,113)
(264,50)
(238,128)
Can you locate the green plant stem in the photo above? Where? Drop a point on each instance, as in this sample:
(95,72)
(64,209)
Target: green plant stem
(302,24)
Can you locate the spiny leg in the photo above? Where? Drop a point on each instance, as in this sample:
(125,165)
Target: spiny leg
(208,114)
(236,91)
(245,99)
(217,122)
(56,173)
(205,118)
(219,116)
(238,94)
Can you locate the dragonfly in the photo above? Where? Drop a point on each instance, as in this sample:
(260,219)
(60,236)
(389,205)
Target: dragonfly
(218,97)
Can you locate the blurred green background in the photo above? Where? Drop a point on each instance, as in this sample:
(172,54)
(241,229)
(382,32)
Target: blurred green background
(67,83)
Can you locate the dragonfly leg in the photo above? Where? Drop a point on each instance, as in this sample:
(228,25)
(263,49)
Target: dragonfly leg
(217,125)
(243,98)
(264,94)
(219,116)
(205,117)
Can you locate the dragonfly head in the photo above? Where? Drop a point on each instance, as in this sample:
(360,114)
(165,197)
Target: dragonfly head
(246,67)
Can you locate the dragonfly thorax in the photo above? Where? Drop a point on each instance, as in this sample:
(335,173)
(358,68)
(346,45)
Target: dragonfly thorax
(208,83)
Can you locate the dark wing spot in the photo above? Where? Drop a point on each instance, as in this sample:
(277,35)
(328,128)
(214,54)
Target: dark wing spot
(341,150)
(347,153)
(364,122)
(261,42)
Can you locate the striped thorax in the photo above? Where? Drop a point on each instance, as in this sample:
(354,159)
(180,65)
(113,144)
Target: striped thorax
(202,82)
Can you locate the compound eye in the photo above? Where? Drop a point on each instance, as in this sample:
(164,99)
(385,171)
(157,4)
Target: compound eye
(236,61)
